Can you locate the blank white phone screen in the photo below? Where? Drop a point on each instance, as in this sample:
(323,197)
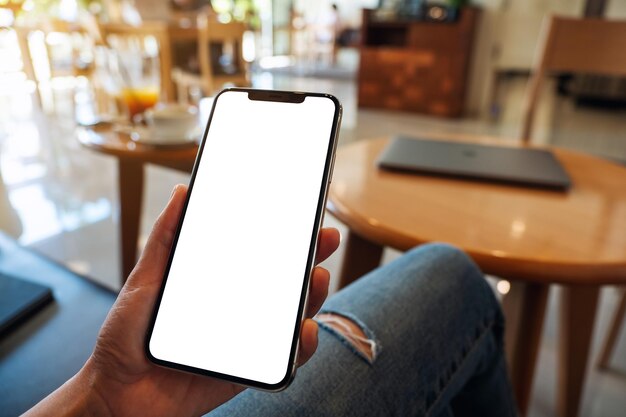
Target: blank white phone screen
(231,299)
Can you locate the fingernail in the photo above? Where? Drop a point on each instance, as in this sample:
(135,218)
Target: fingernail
(174,191)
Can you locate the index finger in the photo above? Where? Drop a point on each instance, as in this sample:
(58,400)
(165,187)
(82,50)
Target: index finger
(328,243)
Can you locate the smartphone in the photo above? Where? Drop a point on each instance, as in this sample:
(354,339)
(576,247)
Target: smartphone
(235,289)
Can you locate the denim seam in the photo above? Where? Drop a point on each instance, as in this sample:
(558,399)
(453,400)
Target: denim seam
(486,330)
(368,333)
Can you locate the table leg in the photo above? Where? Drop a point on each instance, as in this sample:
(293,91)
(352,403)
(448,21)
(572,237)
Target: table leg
(361,256)
(524,308)
(130,181)
(578,313)
(614,330)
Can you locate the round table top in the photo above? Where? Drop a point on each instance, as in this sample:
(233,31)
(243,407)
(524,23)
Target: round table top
(105,138)
(116,143)
(578,236)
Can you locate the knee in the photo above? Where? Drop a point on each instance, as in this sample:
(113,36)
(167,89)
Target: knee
(451,276)
(441,254)
(441,262)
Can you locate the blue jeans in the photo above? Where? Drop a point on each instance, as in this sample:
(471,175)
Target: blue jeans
(438,330)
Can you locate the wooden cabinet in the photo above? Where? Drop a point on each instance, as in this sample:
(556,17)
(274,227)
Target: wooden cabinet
(416,66)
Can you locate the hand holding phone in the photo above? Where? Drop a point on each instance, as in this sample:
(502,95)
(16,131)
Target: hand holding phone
(119,380)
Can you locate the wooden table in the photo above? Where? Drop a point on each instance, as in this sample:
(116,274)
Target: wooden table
(131,157)
(532,237)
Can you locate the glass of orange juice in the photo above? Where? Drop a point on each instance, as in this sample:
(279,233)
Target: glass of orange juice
(140,80)
(139,99)
(133,79)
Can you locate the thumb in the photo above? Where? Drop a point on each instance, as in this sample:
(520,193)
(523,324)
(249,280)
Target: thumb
(151,265)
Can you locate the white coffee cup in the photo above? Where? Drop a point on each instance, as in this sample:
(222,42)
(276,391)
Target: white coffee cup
(172,123)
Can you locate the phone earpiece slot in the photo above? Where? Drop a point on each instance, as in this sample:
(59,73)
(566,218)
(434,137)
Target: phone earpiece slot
(283,97)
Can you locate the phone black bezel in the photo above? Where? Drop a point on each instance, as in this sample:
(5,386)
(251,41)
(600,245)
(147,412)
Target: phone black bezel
(263,95)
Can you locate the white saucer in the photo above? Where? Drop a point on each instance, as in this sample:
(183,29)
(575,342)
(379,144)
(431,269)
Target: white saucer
(142,134)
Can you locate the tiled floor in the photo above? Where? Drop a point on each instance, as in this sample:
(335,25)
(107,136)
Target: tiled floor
(66,195)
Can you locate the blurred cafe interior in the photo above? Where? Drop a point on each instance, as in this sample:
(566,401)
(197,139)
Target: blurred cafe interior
(103,103)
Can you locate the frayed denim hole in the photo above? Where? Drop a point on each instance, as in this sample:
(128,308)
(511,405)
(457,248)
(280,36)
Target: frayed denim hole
(347,343)
(375,349)
(368,333)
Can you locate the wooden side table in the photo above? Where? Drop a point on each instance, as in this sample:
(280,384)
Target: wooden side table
(533,237)
(131,158)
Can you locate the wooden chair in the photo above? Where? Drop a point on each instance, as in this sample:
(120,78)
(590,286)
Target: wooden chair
(585,46)
(73,64)
(157,30)
(572,45)
(208,34)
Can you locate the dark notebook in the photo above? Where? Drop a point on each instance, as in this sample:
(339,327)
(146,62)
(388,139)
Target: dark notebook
(513,165)
(19,299)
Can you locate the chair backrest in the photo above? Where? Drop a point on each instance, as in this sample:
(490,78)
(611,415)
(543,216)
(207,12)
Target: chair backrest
(74,34)
(159,31)
(574,45)
(228,35)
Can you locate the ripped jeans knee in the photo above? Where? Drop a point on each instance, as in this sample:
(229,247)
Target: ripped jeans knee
(351,332)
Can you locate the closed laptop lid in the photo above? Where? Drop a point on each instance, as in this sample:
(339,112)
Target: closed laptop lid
(520,166)
(18,300)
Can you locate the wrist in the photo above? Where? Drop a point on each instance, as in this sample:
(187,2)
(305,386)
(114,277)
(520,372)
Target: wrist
(79,396)
(93,397)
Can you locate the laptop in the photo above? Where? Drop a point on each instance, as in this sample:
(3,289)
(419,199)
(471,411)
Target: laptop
(517,166)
